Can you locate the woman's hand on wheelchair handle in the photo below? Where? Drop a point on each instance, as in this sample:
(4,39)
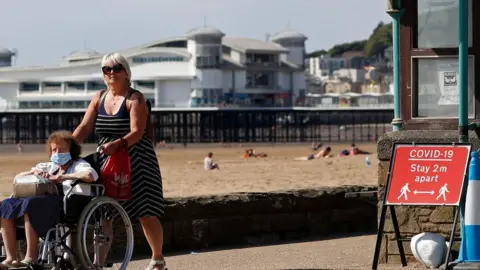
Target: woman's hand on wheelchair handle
(110,148)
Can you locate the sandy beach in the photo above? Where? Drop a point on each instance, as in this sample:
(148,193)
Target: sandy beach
(184,175)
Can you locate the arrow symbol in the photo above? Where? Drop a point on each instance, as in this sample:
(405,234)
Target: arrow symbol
(423,192)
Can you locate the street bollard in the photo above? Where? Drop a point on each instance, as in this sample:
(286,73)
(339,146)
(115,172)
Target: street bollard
(471,252)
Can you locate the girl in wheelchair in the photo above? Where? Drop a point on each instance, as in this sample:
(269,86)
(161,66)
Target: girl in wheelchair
(41,213)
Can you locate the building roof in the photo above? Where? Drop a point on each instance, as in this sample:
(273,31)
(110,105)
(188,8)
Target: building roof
(204,31)
(249,44)
(288,35)
(82,55)
(80,58)
(4,52)
(154,43)
(172,51)
(228,62)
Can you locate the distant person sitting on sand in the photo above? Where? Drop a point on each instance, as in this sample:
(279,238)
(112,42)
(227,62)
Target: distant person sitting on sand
(325,153)
(209,164)
(251,153)
(248,153)
(20,148)
(353,151)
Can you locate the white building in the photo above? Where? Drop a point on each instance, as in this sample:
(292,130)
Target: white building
(202,68)
(323,66)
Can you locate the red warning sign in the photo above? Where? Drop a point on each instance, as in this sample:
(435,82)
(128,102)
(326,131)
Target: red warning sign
(425,174)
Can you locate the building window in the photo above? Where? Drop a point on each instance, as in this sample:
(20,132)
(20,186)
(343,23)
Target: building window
(260,80)
(259,58)
(29,87)
(145,84)
(210,96)
(95,86)
(138,60)
(52,87)
(52,84)
(77,104)
(433,66)
(437,87)
(208,61)
(29,105)
(437,24)
(75,86)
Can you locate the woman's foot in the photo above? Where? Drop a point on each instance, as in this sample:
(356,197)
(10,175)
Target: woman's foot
(23,263)
(7,264)
(157,265)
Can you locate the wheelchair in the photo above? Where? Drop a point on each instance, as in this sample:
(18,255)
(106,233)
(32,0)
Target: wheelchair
(84,238)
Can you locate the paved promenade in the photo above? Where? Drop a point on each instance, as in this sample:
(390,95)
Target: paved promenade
(337,253)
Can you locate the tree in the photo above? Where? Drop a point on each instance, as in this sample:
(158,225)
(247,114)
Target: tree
(379,40)
(339,49)
(316,53)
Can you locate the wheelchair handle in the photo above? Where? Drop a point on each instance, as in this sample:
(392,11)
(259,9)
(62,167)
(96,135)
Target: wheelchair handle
(99,149)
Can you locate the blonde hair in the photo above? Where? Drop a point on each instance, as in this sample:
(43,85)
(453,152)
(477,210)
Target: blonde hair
(116,58)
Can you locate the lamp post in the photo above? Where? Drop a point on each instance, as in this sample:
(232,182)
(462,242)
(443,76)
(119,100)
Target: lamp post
(463,13)
(463,70)
(395,11)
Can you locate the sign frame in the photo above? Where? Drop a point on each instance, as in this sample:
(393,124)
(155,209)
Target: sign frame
(391,206)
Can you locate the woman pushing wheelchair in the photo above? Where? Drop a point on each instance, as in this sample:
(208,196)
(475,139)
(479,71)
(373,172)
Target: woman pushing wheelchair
(42,212)
(119,115)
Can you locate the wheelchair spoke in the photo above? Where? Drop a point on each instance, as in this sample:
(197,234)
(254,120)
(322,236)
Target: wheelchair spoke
(105,235)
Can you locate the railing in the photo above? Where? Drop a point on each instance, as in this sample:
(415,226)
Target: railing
(213,125)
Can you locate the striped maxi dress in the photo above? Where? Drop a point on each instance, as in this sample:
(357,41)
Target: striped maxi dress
(147,192)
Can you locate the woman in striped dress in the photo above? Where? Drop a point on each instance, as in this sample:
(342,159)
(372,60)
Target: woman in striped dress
(119,117)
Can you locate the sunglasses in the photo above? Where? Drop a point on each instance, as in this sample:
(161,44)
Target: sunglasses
(108,70)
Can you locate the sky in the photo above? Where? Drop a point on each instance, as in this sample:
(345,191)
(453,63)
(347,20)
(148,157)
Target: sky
(45,31)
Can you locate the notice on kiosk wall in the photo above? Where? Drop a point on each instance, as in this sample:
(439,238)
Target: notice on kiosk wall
(427,174)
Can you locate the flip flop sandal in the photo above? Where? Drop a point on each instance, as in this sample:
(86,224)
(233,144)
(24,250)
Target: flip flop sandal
(5,265)
(157,263)
(26,263)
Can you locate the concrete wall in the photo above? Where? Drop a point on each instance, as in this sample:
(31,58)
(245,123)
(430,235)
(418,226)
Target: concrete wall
(262,218)
(413,220)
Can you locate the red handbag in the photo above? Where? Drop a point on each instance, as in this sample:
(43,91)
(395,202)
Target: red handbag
(116,175)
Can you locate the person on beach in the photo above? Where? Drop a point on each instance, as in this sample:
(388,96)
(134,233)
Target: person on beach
(325,153)
(251,153)
(119,116)
(353,151)
(209,164)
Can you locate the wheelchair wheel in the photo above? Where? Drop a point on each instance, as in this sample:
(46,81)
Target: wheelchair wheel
(104,235)
(63,264)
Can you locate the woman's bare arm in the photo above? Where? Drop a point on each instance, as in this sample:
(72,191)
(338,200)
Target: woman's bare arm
(88,121)
(138,118)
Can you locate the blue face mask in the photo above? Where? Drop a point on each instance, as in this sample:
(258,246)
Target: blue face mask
(60,158)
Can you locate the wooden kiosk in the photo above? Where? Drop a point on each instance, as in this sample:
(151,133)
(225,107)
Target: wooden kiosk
(436,63)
